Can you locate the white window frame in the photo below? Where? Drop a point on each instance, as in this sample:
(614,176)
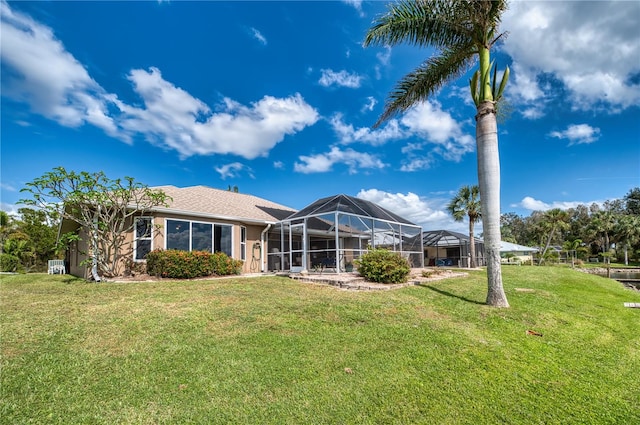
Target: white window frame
(136,238)
(243,243)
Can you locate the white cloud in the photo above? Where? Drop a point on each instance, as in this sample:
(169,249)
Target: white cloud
(8,187)
(443,136)
(578,134)
(61,90)
(371,103)
(278,164)
(385,56)
(340,78)
(233,170)
(591,48)
(321,163)
(348,134)
(426,120)
(533,113)
(429,121)
(11,209)
(429,214)
(533,204)
(258,36)
(417,163)
(525,87)
(173,118)
(463,93)
(170,117)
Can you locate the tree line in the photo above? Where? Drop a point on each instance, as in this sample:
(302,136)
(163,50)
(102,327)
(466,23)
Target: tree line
(609,230)
(28,240)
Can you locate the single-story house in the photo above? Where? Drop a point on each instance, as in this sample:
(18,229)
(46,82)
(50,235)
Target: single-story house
(512,252)
(267,236)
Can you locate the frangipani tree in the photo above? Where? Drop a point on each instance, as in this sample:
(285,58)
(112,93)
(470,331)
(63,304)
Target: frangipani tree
(105,208)
(463,33)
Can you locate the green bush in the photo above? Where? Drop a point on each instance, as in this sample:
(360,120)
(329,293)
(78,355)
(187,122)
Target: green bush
(9,263)
(382,266)
(176,264)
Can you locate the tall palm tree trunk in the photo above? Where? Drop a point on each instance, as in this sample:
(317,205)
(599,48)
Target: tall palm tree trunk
(489,183)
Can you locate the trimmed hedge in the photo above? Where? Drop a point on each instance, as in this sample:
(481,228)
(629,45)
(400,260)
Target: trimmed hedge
(383,266)
(176,264)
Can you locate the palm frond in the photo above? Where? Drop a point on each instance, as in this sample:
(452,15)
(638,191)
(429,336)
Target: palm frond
(426,80)
(421,23)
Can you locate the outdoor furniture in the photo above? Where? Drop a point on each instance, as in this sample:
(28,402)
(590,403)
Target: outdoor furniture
(57,267)
(320,264)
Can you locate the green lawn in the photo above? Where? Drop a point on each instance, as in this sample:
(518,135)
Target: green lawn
(273,350)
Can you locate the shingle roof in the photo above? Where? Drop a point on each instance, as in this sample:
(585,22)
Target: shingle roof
(207,201)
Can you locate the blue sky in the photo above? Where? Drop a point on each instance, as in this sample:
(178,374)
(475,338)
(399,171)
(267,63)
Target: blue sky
(278,98)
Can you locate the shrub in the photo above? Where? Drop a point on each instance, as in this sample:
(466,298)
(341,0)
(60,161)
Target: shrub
(132,268)
(383,266)
(8,262)
(176,264)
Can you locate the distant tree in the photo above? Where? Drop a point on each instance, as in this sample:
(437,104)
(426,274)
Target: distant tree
(42,232)
(18,245)
(632,201)
(603,223)
(462,32)
(105,208)
(4,219)
(466,203)
(6,227)
(571,247)
(579,218)
(627,233)
(514,228)
(553,222)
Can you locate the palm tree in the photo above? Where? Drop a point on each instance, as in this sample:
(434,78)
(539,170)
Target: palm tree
(572,249)
(627,230)
(467,204)
(462,32)
(553,220)
(604,223)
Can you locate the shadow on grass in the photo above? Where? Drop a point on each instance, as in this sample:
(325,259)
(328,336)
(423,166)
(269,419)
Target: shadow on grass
(69,279)
(449,294)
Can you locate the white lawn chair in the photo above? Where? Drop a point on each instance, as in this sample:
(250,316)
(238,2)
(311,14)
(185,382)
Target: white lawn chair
(57,267)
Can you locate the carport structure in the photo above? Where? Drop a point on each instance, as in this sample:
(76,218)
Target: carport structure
(332,232)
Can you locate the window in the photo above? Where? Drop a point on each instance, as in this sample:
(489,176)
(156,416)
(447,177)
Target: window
(178,235)
(142,241)
(222,239)
(202,236)
(195,236)
(243,243)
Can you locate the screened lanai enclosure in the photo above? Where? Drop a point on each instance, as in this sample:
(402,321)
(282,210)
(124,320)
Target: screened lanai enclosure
(447,248)
(332,232)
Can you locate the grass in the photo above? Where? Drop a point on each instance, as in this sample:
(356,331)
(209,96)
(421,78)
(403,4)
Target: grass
(271,350)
